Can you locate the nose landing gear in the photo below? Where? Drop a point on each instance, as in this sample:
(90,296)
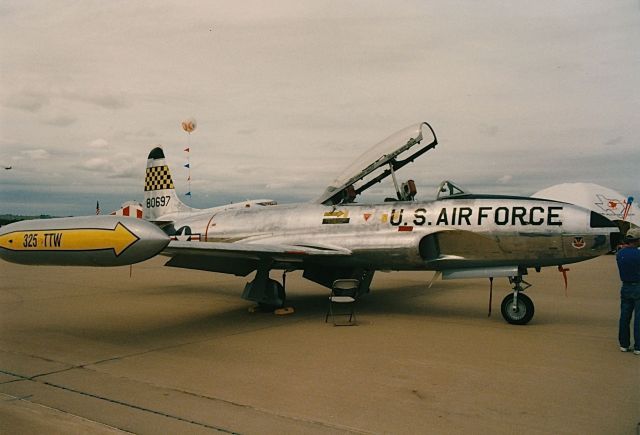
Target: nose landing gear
(517,308)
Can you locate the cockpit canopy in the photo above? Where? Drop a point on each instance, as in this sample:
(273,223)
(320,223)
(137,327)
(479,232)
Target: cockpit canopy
(380,161)
(448,190)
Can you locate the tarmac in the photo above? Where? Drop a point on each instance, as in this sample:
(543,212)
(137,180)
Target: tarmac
(97,351)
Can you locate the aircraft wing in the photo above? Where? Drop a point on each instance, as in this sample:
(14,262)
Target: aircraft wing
(242,258)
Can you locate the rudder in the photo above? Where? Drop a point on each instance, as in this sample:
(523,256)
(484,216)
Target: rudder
(160,198)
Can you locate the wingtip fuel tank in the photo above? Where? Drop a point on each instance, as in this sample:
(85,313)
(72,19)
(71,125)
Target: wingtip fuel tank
(81,241)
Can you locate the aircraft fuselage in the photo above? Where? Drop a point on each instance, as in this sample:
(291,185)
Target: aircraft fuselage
(432,235)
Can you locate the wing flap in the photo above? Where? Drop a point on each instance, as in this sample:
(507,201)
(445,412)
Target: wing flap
(242,258)
(251,250)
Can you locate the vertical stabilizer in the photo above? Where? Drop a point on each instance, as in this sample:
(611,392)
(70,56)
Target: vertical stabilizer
(160,198)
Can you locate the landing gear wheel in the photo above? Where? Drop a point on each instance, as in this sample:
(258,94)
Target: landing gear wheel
(521,314)
(278,291)
(274,294)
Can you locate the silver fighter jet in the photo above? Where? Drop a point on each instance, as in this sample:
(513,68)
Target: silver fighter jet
(458,235)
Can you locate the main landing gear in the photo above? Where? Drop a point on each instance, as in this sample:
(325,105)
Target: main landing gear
(517,308)
(268,293)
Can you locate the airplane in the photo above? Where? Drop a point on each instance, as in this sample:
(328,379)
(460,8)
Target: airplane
(457,235)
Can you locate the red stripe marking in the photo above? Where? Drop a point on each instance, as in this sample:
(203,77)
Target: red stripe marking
(206,230)
(405,228)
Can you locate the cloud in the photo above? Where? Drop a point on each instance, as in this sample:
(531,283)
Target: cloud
(59,119)
(118,166)
(29,102)
(614,141)
(38,154)
(489,130)
(97,164)
(104,100)
(294,92)
(246,131)
(98,143)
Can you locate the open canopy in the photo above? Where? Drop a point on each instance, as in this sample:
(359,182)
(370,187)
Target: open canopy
(380,161)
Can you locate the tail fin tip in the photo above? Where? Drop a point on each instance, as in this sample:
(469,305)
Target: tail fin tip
(156,153)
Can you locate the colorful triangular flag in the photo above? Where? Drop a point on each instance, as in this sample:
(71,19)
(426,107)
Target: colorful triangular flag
(187,165)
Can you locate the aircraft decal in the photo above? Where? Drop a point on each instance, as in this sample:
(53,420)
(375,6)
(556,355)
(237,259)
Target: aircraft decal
(472,216)
(366,216)
(336,217)
(619,208)
(183,234)
(578,242)
(158,178)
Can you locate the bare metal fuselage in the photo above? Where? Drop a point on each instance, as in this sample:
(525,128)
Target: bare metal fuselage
(433,235)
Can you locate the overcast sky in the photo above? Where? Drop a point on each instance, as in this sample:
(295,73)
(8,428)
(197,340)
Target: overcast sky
(522,95)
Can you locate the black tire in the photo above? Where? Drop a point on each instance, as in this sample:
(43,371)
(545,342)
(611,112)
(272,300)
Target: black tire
(523,312)
(279,291)
(276,293)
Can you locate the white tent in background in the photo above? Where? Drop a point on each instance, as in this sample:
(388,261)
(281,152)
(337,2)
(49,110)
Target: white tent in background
(603,200)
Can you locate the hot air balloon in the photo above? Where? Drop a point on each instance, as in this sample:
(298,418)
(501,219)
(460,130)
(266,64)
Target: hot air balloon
(189,125)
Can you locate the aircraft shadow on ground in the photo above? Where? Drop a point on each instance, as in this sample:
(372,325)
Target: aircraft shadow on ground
(454,301)
(164,325)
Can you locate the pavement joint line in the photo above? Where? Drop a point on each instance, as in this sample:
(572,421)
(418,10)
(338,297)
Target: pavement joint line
(177,345)
(11,381)
(128,405)
(189,393)
(140,408)
(118,402)
(22,377)
(14,398)
(33,356)
(242,405)
(265,411)
(133,354)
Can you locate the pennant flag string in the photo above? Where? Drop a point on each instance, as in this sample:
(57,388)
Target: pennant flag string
(188,126)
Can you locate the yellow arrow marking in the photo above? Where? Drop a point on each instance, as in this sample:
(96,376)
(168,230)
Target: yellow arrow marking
(80,239)
(336,213)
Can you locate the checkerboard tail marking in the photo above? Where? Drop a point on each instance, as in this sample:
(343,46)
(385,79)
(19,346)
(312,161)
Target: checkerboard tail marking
(158,178)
